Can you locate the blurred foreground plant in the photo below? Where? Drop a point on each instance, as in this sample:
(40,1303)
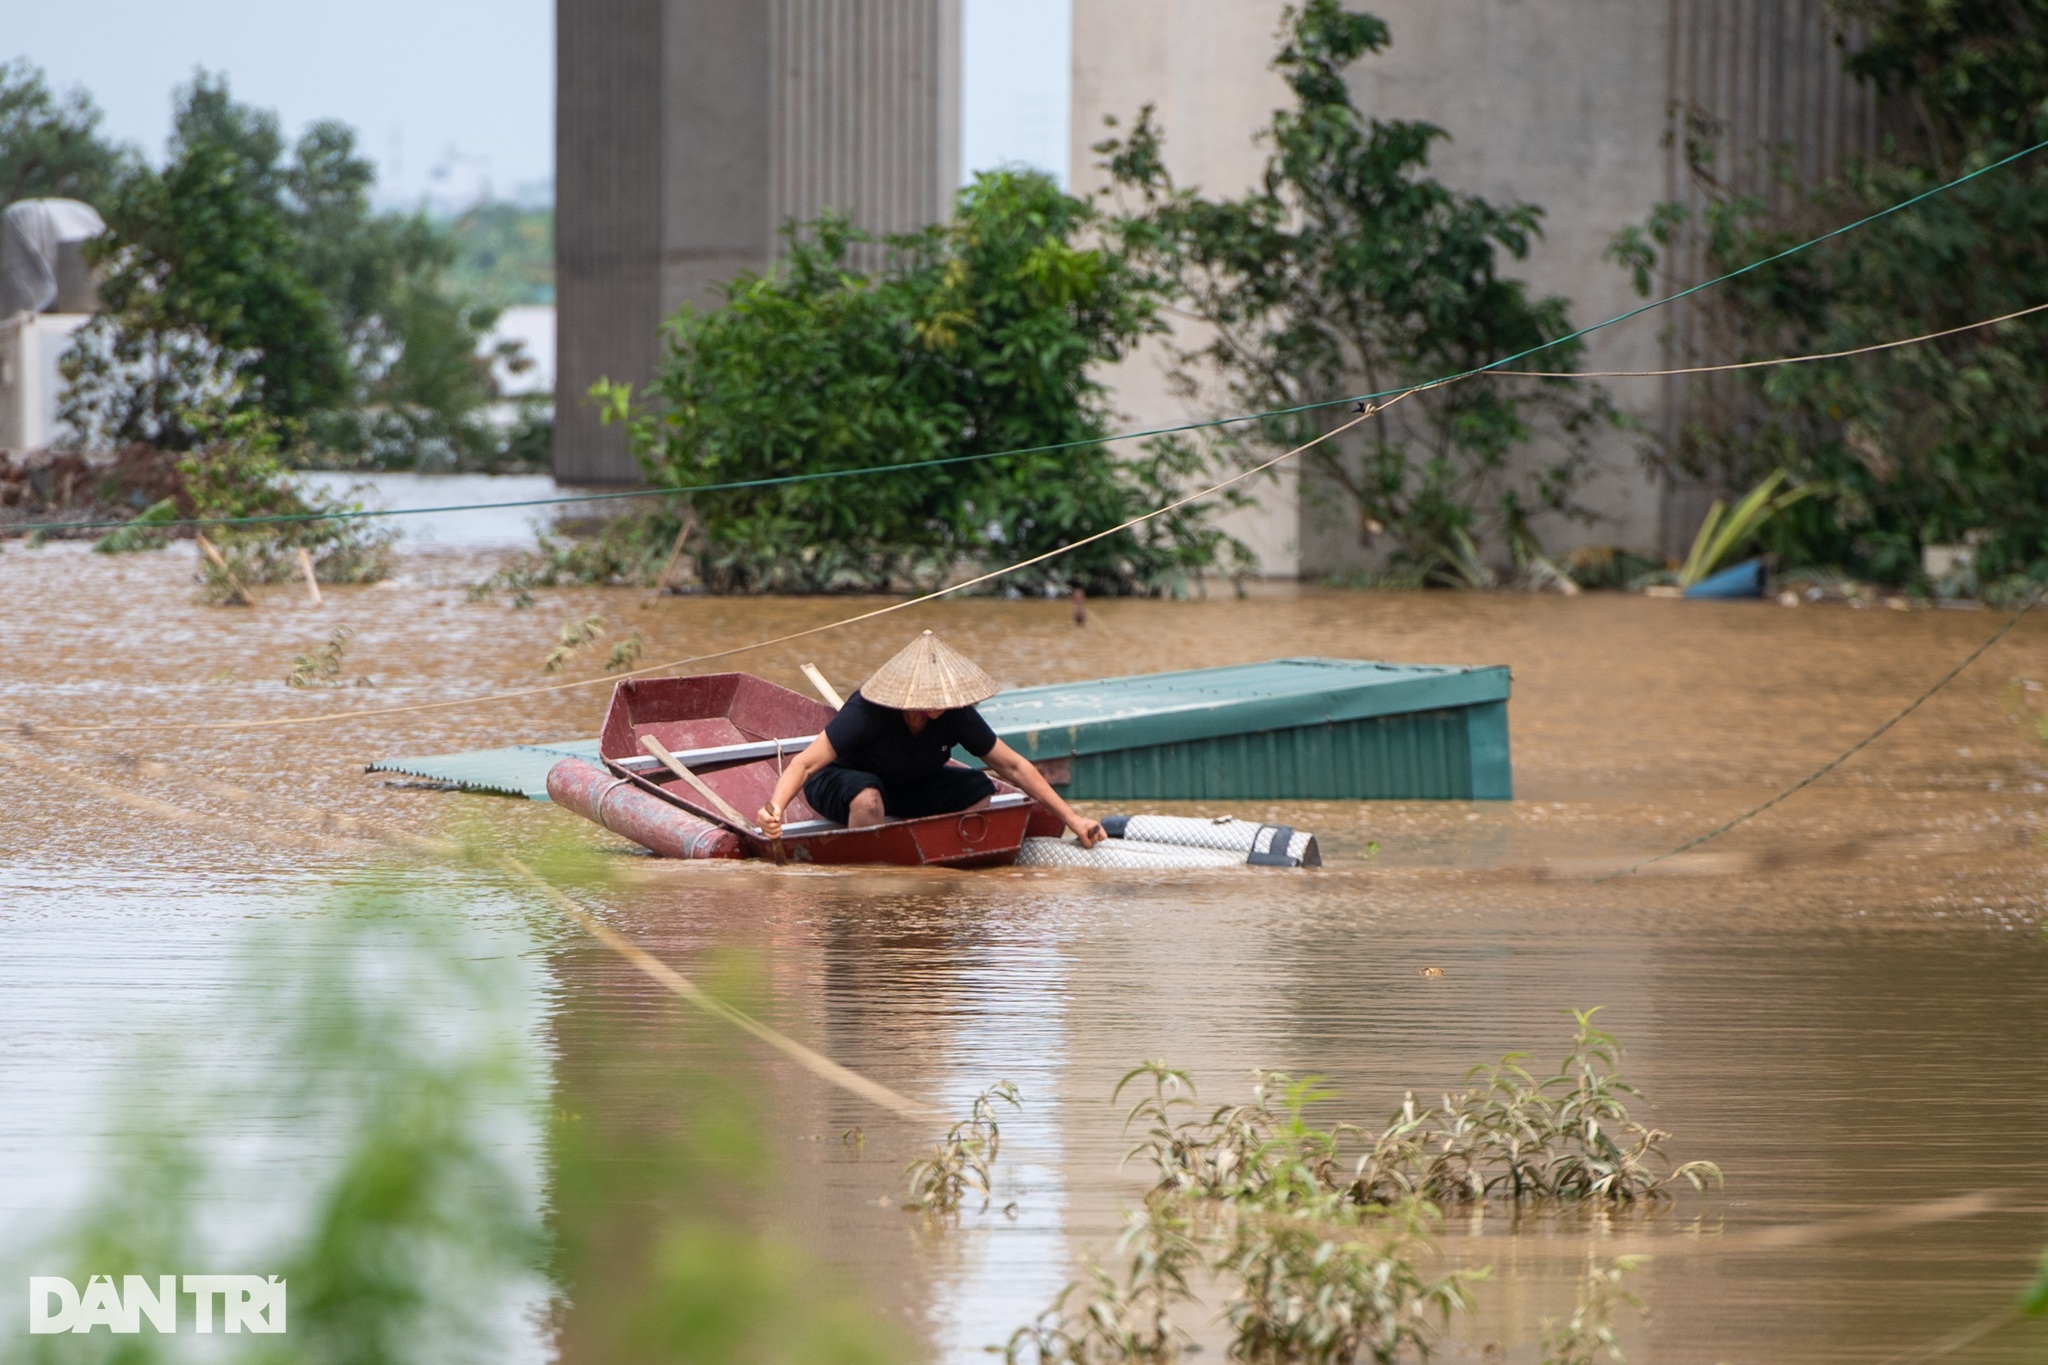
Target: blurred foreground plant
(374,1146)
(1589,1333)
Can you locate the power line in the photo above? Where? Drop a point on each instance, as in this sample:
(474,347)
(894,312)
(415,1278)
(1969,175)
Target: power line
(862,471)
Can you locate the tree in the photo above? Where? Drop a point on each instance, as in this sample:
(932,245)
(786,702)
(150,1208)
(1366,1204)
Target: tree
(1925,444)
(51,148)
(202,295)
(419,386)
(247,272)
(1348,270)
(972,337)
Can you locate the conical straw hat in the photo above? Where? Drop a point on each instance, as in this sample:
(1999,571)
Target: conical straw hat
(929,675)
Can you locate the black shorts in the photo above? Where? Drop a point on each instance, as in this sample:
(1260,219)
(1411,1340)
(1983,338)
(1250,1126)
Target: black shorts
(831,791)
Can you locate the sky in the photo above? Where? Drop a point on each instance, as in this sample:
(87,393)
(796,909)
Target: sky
(454,99)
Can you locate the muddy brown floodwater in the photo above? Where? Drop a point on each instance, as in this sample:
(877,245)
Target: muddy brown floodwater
(1844,1003)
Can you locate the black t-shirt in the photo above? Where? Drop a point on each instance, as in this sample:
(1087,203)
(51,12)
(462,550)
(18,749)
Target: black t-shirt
(876,739)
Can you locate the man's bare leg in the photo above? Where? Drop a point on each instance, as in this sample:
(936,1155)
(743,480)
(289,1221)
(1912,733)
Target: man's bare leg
(865,809)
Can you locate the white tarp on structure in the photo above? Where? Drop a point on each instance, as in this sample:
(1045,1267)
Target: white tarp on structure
(32,234)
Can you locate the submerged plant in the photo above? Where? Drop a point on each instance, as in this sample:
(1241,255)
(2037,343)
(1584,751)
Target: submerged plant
(1589,1336)
(145,532)
(1727,530)
(574,637)
(321,667)
(625,653)
(1121,1317)
(1325,1235)
(963,1158)
(1334,1283)
(237,479)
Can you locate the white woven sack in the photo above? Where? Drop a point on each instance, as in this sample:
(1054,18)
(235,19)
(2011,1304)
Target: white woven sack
(1122,853)
(1236,835)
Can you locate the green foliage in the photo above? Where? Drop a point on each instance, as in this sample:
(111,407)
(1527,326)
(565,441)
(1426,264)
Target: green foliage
(1323,1251)
(237,473)
(575,635)
(505,255)
(419,385)
(1921,444)
(1331,1283)
(624,551)
(1115,1317)
(254,275)
(321,667)
(2034,1298)
(625,654)
(938,1181)
(974,336)
(51,147)
(1725,531)
(145,532)
(1349,269)
(401,1245)
(203,297)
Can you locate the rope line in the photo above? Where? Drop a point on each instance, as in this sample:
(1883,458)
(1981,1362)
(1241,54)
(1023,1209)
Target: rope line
(281,722)
(1781,360)
(1858,747)
(1490,367)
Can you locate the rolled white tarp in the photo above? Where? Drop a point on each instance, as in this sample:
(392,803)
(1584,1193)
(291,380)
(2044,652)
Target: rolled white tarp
(1261,845)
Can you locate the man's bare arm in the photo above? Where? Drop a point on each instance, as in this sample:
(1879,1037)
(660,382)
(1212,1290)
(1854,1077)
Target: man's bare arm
(1022,774)
(815,756)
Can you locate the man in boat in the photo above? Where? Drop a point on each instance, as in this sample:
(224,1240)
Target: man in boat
(884,756)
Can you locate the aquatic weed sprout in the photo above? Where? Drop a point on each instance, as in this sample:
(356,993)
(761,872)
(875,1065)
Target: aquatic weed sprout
(321,667)
(575,635)
(938,1181)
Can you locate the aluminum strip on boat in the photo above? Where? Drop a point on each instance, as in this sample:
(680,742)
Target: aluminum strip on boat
(721,753)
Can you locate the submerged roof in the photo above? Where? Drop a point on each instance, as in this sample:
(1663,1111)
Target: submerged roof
(1203,703)
(1104,715)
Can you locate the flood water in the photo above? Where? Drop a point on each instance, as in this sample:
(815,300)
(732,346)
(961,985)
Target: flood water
(1843,1003)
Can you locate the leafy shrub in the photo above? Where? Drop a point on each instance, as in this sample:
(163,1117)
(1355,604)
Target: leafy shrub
(976,336)
(1350,269)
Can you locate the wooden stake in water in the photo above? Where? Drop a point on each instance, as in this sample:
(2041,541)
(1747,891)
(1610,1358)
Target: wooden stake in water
(236,592)
(306,568)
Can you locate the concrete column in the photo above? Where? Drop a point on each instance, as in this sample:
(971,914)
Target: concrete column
(687,131)
(1566,106)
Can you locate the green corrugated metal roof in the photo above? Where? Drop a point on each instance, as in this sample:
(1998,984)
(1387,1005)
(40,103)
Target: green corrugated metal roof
(1107,715)
(1066,719)
(521,770)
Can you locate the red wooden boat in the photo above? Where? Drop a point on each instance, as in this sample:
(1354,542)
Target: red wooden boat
(735,732)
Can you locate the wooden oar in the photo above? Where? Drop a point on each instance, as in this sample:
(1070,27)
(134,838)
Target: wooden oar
(703,789)
(825,689)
